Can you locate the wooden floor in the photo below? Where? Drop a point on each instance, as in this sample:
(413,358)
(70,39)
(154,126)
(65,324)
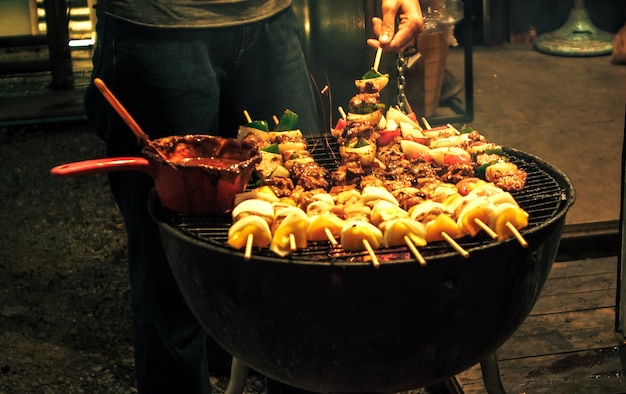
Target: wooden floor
(568,343)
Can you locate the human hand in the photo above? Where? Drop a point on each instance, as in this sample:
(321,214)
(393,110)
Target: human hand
(410,24)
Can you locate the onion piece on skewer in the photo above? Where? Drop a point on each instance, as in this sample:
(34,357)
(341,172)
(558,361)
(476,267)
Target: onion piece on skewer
(405,231)
(507,219)
(445,228)
(291,232)
(358,235)
(249,231)
(325,226)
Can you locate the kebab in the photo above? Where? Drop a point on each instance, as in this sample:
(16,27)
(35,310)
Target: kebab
(251,220)
(289,229)
(363,212)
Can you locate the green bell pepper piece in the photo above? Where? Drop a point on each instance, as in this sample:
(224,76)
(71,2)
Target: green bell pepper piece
(271,149)
(371,73)
(259,125)
(287,121)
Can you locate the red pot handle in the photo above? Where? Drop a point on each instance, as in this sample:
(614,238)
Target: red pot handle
(99,166)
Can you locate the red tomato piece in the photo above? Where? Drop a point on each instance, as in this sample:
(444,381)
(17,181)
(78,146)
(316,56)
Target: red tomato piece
(449,159)
(387,137)
(341,124)
(420,156)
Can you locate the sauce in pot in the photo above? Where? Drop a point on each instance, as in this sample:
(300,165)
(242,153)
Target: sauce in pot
(213,162)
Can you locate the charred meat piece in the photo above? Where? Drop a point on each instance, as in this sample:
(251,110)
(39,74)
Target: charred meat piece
(310,175)
(454,173)
(389,154)
(356,131)
(281,186)
(349,172)
(423,169)
(408,197)
(506,176)
(364,103)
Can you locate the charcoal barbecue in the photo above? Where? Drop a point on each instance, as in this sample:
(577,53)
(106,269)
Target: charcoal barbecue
(326,320)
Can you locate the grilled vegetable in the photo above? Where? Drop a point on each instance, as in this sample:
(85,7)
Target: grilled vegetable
(395,230)
(291,233)
(376,79)
(249,225)
(323,222)
(505,215)
(288,121)
(442,224)
(355,232)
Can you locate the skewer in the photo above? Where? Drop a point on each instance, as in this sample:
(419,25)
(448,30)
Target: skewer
(247,116)
(324,89)
(342,113)
(375,261)
(409,110)
(426,124)
(517,235)
(292,243)
(455,245)
(486,228)
(275,119)
(453,128)
(414,250)
(330,236)
(249,242)
(379,53)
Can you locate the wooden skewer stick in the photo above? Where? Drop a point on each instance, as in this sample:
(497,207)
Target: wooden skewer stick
(342,113)
(455,245)
(407,105)
(486,228)
(330,236)
(375,261)
(453,128)
(292,243)
(275,118)
(247,116)
(379,53)
(324,89)
(426,124)
(517,235)
(414,250)
(249,243)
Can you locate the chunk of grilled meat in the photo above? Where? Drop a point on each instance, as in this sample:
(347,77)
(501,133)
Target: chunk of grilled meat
(456,172)
(356,131)
(310,175)
(281,186)
(364,103)
(349,172)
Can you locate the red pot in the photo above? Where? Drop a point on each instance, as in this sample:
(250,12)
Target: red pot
(201,176)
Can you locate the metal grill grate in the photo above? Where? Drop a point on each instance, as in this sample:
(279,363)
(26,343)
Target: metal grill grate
(546,193)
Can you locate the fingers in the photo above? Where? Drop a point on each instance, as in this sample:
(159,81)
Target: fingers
(377,28)
(407,15)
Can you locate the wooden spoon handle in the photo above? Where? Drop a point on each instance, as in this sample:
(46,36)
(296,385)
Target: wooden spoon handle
(119,108)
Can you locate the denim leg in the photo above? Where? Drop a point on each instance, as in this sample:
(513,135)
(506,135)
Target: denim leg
(270,75)
(170,344)
(184,81)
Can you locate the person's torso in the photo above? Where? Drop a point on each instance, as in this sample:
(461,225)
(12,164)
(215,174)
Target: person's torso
(193,13)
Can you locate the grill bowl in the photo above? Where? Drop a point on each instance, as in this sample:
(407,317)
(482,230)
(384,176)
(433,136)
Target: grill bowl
(329,321)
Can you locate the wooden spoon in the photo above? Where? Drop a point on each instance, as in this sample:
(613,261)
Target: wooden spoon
(125,115)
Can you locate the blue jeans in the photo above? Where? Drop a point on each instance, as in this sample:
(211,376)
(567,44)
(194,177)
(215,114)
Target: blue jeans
(184,81)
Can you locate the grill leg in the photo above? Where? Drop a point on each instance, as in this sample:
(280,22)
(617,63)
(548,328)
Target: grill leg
(491,374)
(238,377)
